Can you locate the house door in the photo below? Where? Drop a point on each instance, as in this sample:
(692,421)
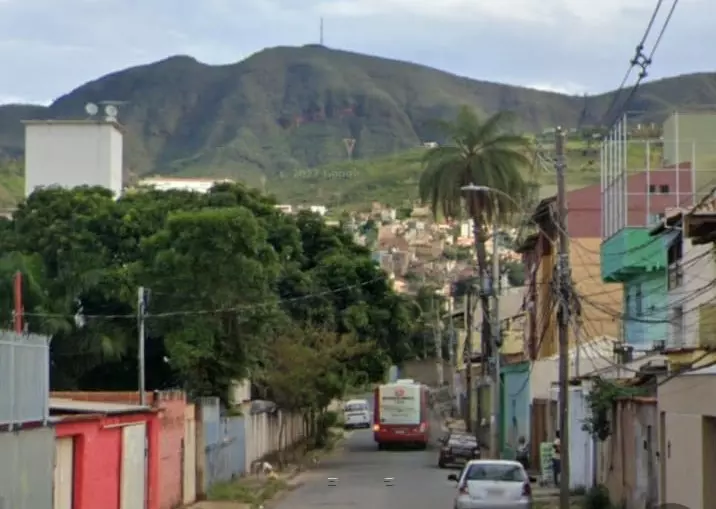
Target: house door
(189,461)
(134,467)
(64,473)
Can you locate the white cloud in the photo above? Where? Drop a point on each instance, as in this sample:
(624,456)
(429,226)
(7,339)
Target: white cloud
(8,99)
(562,88)
(568,46)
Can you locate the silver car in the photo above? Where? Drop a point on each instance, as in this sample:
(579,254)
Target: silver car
(492,484)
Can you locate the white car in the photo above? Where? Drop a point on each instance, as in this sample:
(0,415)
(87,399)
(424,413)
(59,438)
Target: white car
(356,414)
(492,484)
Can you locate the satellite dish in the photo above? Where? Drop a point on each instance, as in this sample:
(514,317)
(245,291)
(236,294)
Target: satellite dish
(91,109)
(111,111)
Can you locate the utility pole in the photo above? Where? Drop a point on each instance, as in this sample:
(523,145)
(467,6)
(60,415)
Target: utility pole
(563,280)
(468,362)
(451,353)
(141,313)
(495,341)
(437,342)
(19,312)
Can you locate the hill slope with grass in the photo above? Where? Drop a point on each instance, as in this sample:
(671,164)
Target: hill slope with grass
(393,179)
(288,108)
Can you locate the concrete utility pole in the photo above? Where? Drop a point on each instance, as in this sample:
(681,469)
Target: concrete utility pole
(495,342)
(468,361)
(141,311)
(563,280)
(438,343)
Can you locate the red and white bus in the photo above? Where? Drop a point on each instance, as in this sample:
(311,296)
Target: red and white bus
(401,414)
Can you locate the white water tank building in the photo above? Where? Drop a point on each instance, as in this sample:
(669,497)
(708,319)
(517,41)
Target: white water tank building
(71,153)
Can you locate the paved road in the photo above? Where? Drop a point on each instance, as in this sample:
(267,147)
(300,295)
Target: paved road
(361,468)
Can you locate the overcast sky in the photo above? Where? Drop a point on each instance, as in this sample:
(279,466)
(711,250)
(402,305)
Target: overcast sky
(49,47)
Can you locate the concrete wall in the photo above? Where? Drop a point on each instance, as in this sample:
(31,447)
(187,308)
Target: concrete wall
(172,422)
(627,462)
(687,407)
(699,270)
(646,295)
(602,301)
(99,450)
(689,134)
(73,153)
(172,406)
(425,370)
(515,405)
(263,437)
(98,458)
(26,468)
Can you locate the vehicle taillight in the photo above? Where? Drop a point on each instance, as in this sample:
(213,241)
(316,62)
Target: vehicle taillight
(463,489)
(376,427)
(526,490)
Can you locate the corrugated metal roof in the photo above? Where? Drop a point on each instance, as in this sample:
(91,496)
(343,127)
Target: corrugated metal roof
(94,407)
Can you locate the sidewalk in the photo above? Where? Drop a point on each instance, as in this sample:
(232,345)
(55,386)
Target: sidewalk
(220,505)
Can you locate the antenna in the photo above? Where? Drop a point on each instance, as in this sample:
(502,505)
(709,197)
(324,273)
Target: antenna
(111,109)
(91,109)
(321,35)
(111,112)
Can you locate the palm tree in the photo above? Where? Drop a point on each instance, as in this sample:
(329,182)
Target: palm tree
(484,154)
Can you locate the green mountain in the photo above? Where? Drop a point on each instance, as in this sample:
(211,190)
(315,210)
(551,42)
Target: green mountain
(288,108)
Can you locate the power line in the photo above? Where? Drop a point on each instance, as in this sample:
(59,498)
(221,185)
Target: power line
(640,61)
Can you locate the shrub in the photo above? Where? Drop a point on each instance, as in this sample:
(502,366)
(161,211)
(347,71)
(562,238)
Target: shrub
(597,498)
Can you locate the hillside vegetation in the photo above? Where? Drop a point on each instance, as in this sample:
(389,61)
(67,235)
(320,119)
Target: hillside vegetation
(288,108)
(392,179)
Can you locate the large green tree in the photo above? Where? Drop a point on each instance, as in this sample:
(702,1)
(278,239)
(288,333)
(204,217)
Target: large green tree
(226,270)
(486,154)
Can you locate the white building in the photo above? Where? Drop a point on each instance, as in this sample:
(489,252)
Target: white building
(286,209)
(690,293)
(388,215)
(71,153)
(318,209)
(199,185)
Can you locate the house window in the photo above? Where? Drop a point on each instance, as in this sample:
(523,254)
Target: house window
(664,189)
(652,189)
(638,301)
(654,218)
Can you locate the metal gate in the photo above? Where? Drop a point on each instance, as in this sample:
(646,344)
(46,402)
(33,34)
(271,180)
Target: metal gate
(64,473)
(134,467)
(189,458)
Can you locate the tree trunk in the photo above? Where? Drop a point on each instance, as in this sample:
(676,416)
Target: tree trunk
(480,238)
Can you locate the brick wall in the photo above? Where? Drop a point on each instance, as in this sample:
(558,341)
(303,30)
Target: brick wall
(172,405)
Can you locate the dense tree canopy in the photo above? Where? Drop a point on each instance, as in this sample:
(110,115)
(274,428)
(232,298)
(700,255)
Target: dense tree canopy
(229,277)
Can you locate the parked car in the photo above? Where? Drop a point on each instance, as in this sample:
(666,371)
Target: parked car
(457,448)
(486,484)
(356,414)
